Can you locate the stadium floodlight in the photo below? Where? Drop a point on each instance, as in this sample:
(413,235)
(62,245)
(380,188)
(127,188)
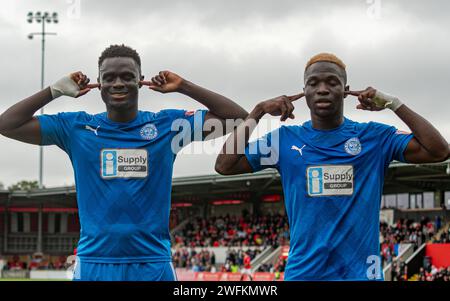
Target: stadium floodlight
(30,17)
(43,18)
(38,17)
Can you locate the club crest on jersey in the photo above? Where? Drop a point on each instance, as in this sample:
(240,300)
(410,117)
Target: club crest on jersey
(149,131)
(353,146)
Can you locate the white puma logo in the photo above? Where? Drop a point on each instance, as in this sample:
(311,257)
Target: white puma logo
(298,149)
(87,127)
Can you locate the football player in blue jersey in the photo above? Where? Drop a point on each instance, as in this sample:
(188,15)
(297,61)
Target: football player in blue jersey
(332,170)
(122,160)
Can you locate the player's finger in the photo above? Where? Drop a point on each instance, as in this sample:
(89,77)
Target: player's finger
(354,93)
(155,81)
(92,86)
(84,91)
(75,76)
(81,76)
(290,109)
(368,100)
(363,107)
(163,76)
(155,88)
(365,102)
(368,107)
(145,83)
(161,79)
(295,97)
(364,98)
(85,82)
(284,111)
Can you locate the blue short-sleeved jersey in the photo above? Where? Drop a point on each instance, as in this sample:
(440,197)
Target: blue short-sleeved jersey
(333,183)
(123,176)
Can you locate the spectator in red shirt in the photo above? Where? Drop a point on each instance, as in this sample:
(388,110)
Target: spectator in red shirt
(16,264)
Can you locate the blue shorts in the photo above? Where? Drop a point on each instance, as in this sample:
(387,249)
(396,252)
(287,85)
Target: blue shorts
(146,271)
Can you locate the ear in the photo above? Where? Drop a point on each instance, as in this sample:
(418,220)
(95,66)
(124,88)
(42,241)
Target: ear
(141,79)
(347,88)
(98,82)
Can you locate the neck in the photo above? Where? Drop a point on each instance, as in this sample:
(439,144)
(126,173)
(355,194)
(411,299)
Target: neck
(327,123)
(122,116)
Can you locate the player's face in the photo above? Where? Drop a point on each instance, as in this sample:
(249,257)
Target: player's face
(119,78)
(324,89)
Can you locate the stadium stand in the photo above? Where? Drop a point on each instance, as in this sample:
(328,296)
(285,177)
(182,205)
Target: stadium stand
(247,230)
(215,219)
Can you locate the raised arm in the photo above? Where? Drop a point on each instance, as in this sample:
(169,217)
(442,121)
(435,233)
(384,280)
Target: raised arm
(232,159)
(220,107)
(18,122)
(427,146)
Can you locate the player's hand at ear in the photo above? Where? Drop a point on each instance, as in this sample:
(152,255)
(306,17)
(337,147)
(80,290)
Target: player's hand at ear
(83,83)
(74,85)
(366,99)
(164,82)
(280,106)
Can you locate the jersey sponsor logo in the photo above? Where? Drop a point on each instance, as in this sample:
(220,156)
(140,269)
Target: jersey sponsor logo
(329,180)
(353,146)
(124,163)
(294,147)
(149,131)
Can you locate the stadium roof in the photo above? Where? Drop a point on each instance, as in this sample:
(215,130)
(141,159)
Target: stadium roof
(400,178)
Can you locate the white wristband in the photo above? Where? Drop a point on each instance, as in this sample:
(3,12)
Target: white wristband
(65,86)
(383,100)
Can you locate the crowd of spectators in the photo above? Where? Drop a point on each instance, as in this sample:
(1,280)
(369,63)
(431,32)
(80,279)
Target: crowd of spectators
(37,261)
(434,274)
(428,272)
(273,230)
(202,261)
(278,267)
(237,261)
(228,231)
(259,232)
(205,261)
(406,231)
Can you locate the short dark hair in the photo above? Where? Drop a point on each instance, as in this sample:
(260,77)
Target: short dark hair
(119,51)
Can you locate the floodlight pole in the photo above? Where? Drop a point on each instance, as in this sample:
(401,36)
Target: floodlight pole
(39,17)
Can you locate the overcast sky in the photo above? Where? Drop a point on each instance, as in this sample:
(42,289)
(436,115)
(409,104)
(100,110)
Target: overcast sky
(248,50)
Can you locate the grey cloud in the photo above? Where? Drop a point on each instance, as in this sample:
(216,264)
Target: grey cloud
(414,65)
